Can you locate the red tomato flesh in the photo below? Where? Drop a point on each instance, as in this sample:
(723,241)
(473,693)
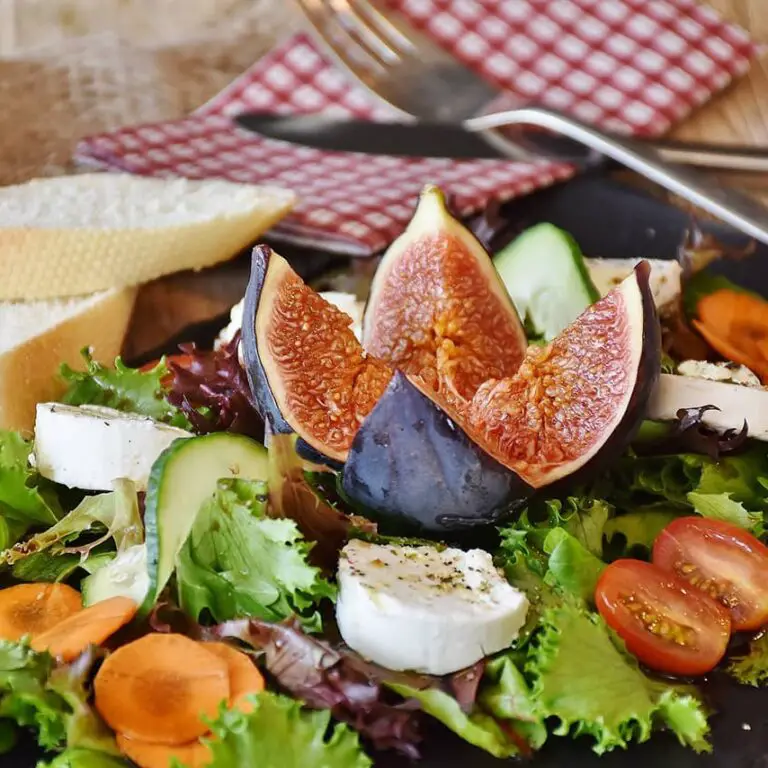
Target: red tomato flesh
(723,560)
(668,625)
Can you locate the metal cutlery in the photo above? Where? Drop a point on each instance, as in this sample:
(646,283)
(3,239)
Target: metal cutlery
(419,80)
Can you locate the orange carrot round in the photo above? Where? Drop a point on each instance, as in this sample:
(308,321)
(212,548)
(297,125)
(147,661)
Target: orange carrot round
(31,609)
(148,755)
(159,688)
(244,677)
(736,325)
(90,626)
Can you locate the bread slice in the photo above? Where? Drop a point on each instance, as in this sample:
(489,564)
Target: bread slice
(75,235)
(37,336)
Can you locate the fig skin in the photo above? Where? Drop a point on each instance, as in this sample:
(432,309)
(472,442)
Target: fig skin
(414,470)
(648,373)
(254,368)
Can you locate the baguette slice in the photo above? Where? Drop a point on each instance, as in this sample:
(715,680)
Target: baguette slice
(76,235)
(37,336)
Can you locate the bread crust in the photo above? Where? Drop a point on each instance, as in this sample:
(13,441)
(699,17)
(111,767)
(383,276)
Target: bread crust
(28,372)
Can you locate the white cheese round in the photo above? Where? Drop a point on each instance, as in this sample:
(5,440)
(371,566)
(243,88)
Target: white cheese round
(88,446)
(736,403)
(421,609)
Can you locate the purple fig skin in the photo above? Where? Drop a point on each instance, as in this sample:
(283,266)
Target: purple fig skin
(648,372)
(413,469)
(254,368)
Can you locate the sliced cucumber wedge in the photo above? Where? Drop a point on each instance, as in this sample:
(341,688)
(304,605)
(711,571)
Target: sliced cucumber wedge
(182,478)
(545,274)
(124,576)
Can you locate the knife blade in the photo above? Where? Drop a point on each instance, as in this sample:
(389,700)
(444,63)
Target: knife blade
(451,140)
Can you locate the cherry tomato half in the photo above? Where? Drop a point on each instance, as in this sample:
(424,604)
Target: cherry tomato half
(670,626)
(723,560)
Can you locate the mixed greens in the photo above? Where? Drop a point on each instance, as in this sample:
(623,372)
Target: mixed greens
(244,550)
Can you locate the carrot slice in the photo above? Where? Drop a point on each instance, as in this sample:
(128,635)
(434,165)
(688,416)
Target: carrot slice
(159,687)
(736,325)
(31,609)
(90,626)
(148,755)
(244,677)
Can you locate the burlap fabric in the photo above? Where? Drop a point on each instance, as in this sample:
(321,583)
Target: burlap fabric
(69,68)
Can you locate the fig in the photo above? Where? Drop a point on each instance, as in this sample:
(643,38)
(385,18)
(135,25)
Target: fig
(403,457)
(578,401)
(412,463)
(438,309)
(445,447)
(306,369)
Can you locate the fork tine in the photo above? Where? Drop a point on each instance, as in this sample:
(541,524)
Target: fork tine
(394,37)
(353,53)
(362,30)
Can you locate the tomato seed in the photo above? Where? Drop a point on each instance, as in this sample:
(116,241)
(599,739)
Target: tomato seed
(665,628)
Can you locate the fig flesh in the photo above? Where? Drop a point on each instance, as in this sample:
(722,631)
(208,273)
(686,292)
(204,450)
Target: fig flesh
(438,309)
(412,464)
(578,401)
(403,457)
(306,368)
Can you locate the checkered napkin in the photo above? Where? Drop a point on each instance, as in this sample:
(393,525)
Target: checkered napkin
(635,66)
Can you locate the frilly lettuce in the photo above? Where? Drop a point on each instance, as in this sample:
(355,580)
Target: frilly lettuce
(52,700)
(123,388)
(752,667)
(583,677)
(571,668)
(26,499)
(239,562)
(113,516)
(278,731)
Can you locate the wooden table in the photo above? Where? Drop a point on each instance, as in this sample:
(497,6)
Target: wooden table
(738,115)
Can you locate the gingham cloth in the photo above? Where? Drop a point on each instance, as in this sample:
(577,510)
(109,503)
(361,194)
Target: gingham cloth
(635,66)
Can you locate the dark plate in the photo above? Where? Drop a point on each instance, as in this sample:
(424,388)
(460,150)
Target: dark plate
(612,221)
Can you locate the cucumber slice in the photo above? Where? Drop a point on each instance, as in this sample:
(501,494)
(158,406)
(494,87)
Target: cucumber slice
(544,273)
(125,575)
(182,478)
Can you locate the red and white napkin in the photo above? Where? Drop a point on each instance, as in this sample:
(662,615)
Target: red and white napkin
(636,66)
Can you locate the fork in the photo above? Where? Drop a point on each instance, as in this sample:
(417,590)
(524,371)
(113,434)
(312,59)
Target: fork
(417,79)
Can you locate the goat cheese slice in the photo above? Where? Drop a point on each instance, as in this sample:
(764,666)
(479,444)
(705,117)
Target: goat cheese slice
(665,280)
(737,403)
(88,446)
(423,609)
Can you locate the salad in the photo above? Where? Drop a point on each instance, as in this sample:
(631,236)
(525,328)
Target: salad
(522,496)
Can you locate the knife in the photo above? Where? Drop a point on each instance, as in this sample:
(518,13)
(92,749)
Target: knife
(451,140)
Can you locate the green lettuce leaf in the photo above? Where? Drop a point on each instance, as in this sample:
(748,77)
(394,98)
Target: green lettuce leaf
(582,517)
(8,736)
(641,481)
(123,388)
(720,506)
(25,497)
(475,727)
(592,687)
(237,562)
(85,758)
(46,567)
(52,700)
(578,672)
(634,532)
(279,732)
(506,694)
(752,667)
(114,515)
(571,565)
